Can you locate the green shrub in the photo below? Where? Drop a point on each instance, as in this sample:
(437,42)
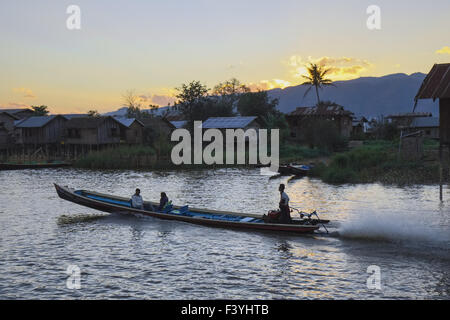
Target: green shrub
(298,152)
(339,175)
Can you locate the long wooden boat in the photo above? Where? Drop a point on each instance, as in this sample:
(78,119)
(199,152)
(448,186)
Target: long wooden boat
(23,166)
(225,219)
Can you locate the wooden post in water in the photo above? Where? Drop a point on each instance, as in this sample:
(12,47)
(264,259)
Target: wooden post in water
(440,172)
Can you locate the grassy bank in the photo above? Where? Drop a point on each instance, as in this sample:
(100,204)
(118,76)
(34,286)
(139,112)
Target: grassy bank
(119,158)
(296,153)
(378,161)
(141,157)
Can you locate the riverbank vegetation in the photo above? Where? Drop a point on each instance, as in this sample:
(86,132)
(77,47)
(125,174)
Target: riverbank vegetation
(119,158)
(379,161)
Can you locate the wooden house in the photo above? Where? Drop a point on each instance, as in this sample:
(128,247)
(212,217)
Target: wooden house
(235,123)
(223,123)
(39,131)
(359,126)
(405,120)
(132,130)
(19,113)
(436,85)
(304,116)
(92,131)
(5,141)
(7,129)
(158,126)
(428,125)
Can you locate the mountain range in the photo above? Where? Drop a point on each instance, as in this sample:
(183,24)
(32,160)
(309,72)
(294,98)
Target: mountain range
(366,96)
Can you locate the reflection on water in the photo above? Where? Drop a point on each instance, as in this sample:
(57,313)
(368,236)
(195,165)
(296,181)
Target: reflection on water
(78,218)
(404,231)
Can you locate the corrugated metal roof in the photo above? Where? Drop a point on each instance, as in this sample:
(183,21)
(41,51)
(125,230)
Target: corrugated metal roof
(11,115)
(228,122)
(321,111)
(428,122)
(436,85)
(127,122)
(13,111)
(35,122)
(74,115)
(19,121)
(178,124)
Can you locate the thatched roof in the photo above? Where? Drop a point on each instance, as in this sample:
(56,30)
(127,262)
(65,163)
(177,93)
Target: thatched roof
(322,110)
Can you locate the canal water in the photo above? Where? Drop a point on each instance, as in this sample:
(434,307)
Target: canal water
(385,242)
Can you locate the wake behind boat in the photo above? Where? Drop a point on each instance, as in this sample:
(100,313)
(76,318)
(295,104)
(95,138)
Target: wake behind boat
(224,219)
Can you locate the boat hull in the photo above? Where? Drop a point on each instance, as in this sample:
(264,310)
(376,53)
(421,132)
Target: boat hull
(293,170)
(70,195)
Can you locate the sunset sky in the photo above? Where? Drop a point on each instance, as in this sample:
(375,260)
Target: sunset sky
(153,46)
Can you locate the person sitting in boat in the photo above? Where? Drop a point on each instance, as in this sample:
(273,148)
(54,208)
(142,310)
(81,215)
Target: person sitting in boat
(136,200)
(163,201)
(285,215)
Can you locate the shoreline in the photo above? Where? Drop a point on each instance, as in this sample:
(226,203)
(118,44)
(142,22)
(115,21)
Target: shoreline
(373,162)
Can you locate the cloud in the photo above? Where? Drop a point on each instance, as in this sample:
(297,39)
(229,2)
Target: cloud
(14,105)
(167,96)
(162,100)
(269,84)
(444,50)
(341,68)
(27,93)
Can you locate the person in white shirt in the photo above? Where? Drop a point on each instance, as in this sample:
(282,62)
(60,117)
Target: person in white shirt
(136,200)
(285,216)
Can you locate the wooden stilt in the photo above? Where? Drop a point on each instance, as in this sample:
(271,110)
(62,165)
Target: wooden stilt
(440,173)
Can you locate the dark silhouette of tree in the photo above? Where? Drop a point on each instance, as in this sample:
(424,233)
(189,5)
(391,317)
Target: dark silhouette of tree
(257,104)
(40,110)
(93,113)
(131,101)
(316,79)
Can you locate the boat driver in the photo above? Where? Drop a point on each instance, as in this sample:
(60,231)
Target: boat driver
(285,216)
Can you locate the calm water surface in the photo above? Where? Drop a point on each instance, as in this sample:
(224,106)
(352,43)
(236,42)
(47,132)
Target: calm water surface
(403,231)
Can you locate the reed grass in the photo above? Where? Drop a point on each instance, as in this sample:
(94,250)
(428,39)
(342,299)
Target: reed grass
(378,161)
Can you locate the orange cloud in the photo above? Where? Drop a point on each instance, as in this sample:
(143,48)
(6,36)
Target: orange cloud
(164,98)
(27,93)
(269,84)
(341,68)
(444,50)
(14,105)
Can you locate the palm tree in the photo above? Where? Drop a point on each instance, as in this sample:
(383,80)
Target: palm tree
(316,79)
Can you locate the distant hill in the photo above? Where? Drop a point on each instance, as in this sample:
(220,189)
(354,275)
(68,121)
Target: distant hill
(123,111)
(367,96)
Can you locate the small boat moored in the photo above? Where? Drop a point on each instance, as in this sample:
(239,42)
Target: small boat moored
(297,170)
(213,218)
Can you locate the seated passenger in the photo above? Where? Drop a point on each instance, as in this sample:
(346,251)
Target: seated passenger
(136,200)
(163,201)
